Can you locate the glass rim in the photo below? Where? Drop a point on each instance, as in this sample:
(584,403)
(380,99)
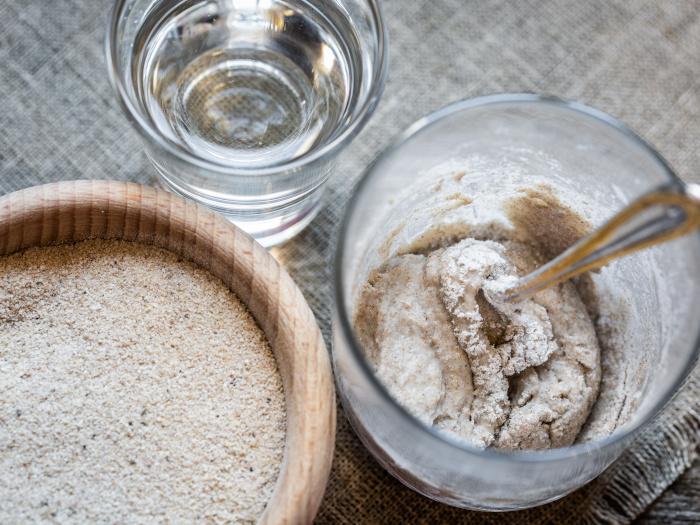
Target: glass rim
(151,134)
(627,431)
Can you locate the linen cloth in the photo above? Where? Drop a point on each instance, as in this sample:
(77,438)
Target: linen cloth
(634,59)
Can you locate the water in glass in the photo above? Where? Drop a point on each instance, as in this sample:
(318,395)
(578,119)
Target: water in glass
(242,83)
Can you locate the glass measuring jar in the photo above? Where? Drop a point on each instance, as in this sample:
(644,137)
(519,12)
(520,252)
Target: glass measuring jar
(491,146)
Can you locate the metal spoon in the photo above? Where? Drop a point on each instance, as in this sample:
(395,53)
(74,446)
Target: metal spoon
(665,213)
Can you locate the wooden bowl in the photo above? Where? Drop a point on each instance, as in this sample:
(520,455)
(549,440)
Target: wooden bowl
(67,212)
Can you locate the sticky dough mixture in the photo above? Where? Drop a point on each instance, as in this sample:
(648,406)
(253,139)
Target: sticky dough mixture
(517,376)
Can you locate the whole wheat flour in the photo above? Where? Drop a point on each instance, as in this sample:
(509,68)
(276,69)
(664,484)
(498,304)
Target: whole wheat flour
(134,387)
(515,376)
(522,376)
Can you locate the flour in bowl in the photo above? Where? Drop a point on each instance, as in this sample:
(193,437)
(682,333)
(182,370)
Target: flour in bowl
(134,387)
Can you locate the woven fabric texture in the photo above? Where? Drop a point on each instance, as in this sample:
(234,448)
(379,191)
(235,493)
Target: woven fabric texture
(634,59)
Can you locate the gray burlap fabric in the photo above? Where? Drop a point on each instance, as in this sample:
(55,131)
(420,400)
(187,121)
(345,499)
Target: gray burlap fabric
(635,59)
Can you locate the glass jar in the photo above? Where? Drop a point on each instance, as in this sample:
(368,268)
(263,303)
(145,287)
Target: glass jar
(489,146)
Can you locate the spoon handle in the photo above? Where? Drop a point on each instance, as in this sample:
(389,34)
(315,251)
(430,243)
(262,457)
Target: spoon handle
(667,212)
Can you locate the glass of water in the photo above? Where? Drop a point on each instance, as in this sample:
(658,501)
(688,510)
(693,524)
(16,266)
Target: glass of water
(244,105)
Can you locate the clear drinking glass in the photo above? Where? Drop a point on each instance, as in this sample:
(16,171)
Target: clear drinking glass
(244,105)
(508,141)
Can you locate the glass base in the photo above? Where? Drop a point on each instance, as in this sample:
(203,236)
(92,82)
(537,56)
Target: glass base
(268,227)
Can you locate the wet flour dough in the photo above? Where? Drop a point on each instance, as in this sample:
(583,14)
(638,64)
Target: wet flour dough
(512,376)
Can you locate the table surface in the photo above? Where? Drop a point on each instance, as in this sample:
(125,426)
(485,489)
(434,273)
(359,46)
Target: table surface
(680,503)
(634,59)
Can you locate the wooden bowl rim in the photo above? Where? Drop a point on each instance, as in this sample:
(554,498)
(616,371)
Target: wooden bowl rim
(71,211)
